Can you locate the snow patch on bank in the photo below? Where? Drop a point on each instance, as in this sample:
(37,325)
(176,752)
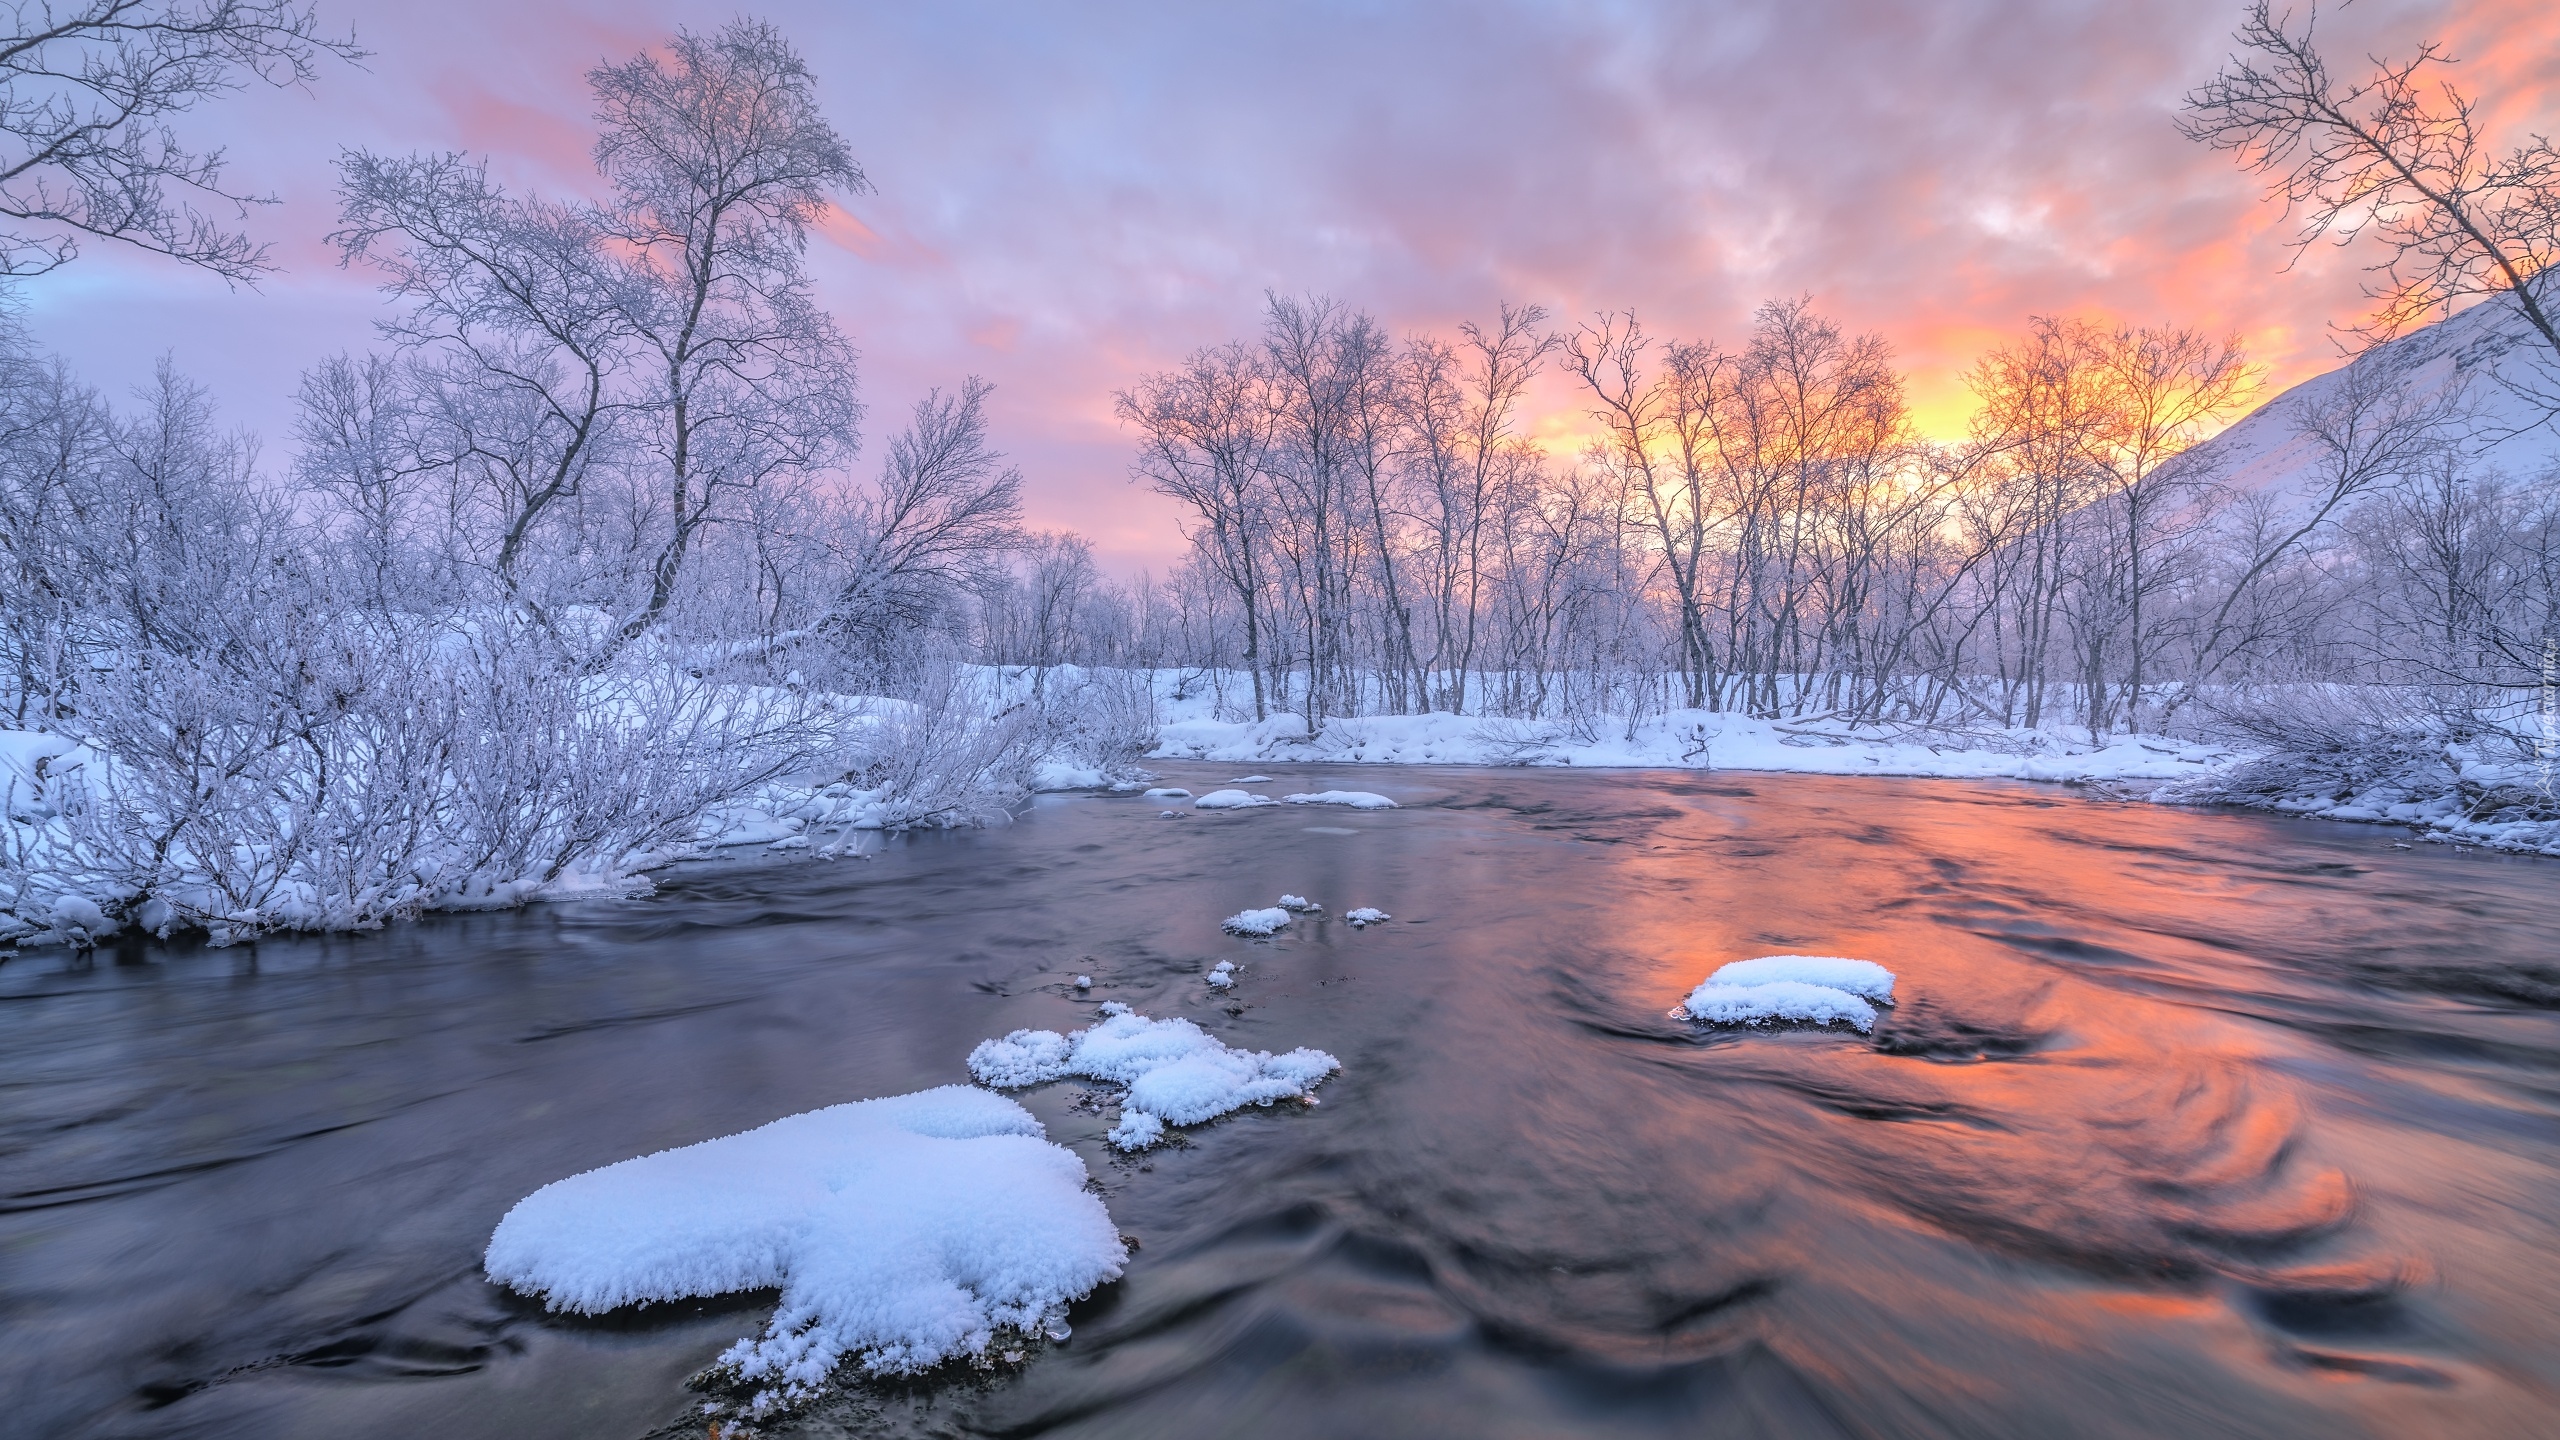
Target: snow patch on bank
(1176,1073)
(1682,740)
(902,1232)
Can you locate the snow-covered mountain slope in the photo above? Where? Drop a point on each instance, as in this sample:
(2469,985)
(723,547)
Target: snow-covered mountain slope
(2488,354)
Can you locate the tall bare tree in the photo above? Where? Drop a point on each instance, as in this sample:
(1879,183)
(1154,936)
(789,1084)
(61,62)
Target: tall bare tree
(720,160)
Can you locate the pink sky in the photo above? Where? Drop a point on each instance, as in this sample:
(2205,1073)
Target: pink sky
(1071,195)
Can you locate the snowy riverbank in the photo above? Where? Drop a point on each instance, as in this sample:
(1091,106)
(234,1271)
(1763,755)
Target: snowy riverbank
(2452,794)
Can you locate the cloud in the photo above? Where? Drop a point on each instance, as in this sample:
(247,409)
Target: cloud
(1069,196)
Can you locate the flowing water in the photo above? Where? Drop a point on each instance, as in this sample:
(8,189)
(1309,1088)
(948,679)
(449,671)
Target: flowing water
(2185,1124)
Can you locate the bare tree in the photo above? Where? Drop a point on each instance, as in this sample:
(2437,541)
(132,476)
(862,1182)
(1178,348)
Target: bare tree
(90,91)
(1202,431)
(2395,157)
(519,319)
(945,511)
(720,161)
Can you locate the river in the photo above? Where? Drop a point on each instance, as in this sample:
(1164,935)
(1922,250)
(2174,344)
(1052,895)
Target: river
(2185,1124)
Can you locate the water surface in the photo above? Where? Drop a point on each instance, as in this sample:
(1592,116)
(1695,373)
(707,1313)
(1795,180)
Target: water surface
(2191,1124)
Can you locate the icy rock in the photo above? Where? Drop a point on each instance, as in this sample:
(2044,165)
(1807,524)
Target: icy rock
(1168,792)
(902,1232)
(1084,982)
(1251,780)
(1367,916)
(1223,975)
(1356,799)
(1231,800)
(1176,1073)
(1301,905)
(1167,815)
(1255,922)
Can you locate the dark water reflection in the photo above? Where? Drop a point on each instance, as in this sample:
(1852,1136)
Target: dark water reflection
(2186,1125)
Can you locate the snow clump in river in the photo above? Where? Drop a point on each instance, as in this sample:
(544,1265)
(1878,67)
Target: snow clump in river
(1816,989)
(1300,904)
(1176,1072)
(1366,916)
(1356,799)
(1231,800)
(1255,922)
(1223,976)
(902,1232)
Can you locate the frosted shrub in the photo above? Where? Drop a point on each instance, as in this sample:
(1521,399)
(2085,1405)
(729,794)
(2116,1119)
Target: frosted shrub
(1105,719)
(950,755)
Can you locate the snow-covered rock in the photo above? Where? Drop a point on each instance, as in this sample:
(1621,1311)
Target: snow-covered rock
(1168,792)
(1858,977)
(1176,1073)
(1356,799)
(1255,922)
(1778,1000)
(901,1231)
(1301,905)
(1814,989)
(1367,915)
(1231,800)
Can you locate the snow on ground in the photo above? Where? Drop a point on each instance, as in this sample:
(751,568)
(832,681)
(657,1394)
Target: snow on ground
(1255,922)
(1815,989)
(1176,1073)
(1366,916)
(902,1232)
(1231,800)
(1858,977)
(1680,740)
(1356,799)
(2455,794)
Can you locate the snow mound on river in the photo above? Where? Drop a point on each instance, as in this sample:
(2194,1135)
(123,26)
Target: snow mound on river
(1858,977)
(1231,800)
(902,1232)
(1176,1072)
(1815,989)
(1356,799)
(1256,922)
